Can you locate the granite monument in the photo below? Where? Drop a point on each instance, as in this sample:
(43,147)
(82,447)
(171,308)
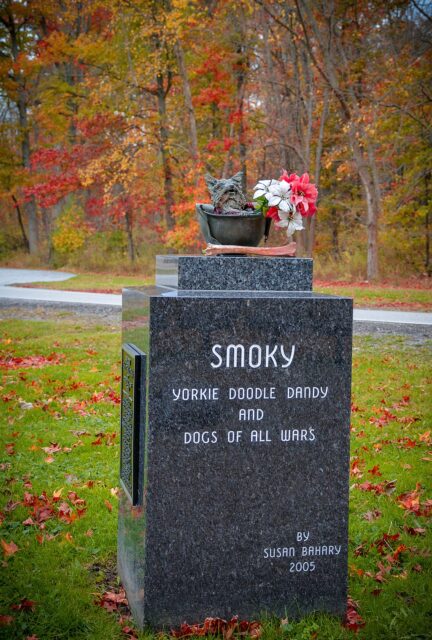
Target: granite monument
(234,442)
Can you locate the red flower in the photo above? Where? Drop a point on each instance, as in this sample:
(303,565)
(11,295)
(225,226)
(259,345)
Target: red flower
(273,212)
(304,193)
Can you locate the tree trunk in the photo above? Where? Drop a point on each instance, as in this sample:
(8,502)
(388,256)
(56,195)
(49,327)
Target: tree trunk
(163,146)
(428,265)
(318,156)
(178,49)
(29,207)
(20,223)
(365,173)
(129,231)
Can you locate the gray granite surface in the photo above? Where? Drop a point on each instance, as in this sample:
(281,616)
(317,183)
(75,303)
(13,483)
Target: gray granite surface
(246,472)
(235,273)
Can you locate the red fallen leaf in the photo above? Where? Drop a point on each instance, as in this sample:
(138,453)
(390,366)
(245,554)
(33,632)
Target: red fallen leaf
(65,513)
(353,620)
(75,499)
(383,570)
(57,494)
(388,486)
(9,548)
(44,538)
(6,620)
(42,514)
(11,505)
(79,434)
(54,448)
(425,437)
(110,600)
(130,632)
(383,544)
(360,550)
(97,441)
(376,592)
(24,605)
(49,459)
(359,572)
(29,499)
(407,443)
(355,469)
(10,448)
(408,419)
(68,537)
(418,568)
(393,558)
(402,403)
(415,531)
(411,499)
(375,471)
(29,522)
(372,515)
(108,505)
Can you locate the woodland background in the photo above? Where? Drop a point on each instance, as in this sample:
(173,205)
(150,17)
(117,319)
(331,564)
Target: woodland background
(111,111)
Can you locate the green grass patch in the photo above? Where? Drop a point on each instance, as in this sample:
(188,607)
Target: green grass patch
(384,297)
(102,282)
(59,449)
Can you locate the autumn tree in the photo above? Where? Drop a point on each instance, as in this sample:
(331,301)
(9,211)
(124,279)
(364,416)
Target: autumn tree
(19,27)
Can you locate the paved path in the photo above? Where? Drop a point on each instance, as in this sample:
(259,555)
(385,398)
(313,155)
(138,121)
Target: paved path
(21,276)
(21,294)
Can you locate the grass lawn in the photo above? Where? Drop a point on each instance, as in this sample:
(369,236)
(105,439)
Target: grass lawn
(102,282)
(384,297)
(59,398)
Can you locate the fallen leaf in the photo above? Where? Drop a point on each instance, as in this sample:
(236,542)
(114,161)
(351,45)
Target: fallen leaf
(9,548)
(108,505)
(24,605)
(54,448)
(372,515)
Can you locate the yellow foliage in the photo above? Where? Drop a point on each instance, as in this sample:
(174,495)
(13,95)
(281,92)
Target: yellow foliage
(71,231)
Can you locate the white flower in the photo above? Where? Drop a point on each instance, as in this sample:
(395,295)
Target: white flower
(293,221)
(280,196)
(262,188)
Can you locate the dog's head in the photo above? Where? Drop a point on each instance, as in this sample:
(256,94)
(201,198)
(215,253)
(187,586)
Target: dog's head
(226,194)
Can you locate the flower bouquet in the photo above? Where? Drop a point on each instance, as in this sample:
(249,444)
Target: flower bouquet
(287,200)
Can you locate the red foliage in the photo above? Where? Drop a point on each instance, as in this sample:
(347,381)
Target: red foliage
(10,362)
(233,628)
(353,620)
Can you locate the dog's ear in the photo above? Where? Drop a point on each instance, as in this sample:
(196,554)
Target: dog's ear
(210,181)
(238,178)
